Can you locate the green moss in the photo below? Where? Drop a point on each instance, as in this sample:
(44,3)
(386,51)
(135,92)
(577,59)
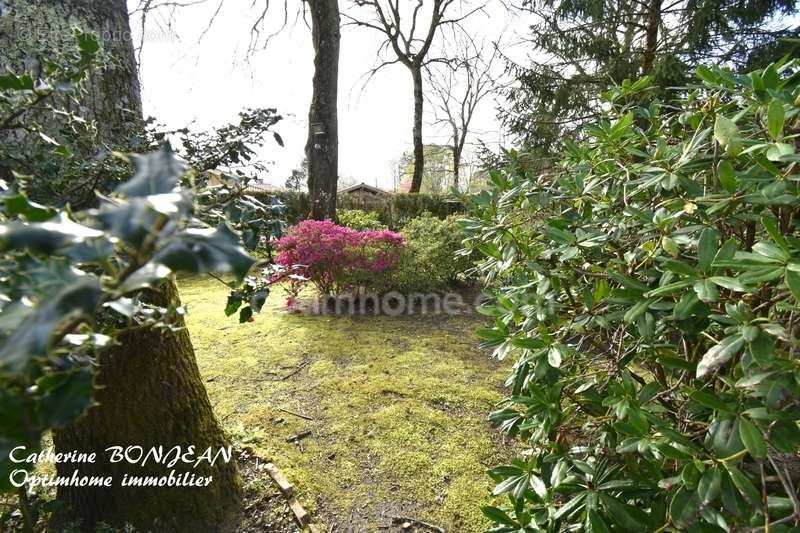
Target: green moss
(399,407)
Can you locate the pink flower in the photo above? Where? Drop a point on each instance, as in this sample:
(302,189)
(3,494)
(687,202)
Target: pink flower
(335,258)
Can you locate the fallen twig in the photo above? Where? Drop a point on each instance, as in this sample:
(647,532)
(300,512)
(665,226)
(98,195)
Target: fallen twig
(299,436)
(286,488)
(300,514)
(418,522)
(306,417)
(296,370)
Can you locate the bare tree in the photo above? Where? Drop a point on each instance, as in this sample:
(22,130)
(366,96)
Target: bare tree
(407,36)
(458,87)
(322,145)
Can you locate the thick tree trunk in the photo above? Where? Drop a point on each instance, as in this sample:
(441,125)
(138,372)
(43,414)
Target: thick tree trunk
(419,149)
(152,393)
(322,148)
(32,30)
(651,36)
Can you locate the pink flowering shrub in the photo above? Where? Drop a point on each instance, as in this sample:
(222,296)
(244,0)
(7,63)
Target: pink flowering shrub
(336,259)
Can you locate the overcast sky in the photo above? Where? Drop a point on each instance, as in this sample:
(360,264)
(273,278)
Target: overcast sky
(206,82)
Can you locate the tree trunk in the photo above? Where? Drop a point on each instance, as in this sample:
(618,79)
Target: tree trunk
(651,36)
(322,148)
(456,166)
(150,395)
(459,140)
(419,152)
(151,392)
(31,30)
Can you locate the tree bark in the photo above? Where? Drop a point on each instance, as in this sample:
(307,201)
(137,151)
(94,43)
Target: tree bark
(151,392)
(33,30)
(456,166)
(419,149)
(322,147)
(651,36)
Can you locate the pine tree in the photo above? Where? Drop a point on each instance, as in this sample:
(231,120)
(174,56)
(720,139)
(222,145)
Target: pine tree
(579,47)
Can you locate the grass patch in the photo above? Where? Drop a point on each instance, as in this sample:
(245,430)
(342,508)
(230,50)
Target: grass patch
(399,407)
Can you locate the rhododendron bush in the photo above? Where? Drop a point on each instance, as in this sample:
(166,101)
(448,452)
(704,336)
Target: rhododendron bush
(336,259)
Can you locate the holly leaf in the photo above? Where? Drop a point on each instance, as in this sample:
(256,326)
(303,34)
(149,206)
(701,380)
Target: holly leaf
(156,173)
(34,337)
(199,250)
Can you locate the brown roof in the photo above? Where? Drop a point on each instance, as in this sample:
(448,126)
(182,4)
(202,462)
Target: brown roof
(363,187)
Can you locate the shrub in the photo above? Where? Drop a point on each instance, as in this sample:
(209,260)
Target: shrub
(649,290)
(431,259)
(336,259)
(394,209)
(360,220)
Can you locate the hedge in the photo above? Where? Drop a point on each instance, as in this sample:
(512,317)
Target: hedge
(394,209)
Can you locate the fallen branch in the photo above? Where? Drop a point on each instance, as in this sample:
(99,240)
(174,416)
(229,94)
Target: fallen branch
(299,436)
(432,527)
(296,370)
(300,415)
(300,514)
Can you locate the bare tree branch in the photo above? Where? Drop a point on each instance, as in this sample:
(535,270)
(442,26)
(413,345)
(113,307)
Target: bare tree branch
(406,34)
(469,71)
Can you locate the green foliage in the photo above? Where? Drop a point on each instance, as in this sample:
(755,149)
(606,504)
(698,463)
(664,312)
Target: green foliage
(232,146)
(596,43)
(438,174)
(394,210)
(51,140)
(358,219)
(298,179)
(59,269)
(648,289)
(72,280)
(431,259)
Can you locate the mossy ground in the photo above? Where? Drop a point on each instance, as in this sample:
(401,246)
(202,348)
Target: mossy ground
(399,407)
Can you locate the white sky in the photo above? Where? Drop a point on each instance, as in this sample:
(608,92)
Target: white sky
(207,82)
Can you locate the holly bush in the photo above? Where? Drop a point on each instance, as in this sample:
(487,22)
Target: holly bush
(648,291)
(60,270)
(72,280)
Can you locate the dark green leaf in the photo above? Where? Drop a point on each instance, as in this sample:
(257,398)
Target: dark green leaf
(792,279)
(497,516)
(727,176)
(706,290)
(707,246)
(752,438)
(34,337)
(156,173)
(775,119)
(205,250)
(65,396)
